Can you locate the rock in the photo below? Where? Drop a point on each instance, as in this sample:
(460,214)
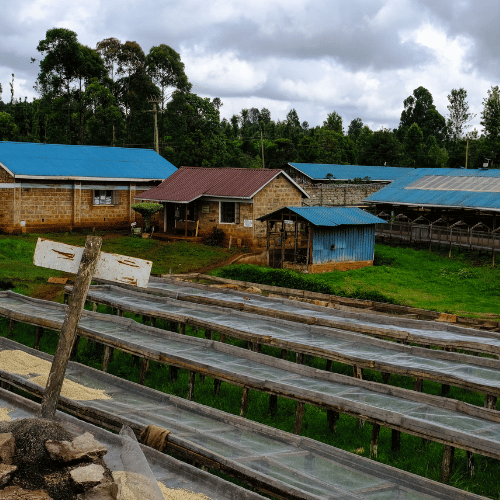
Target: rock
(17,493)
(103,491)
(87,476)
(6,472)
(7,447)
(84,447)
(253,289)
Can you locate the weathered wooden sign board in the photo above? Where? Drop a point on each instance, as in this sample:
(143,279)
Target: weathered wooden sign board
(110,266)
(86,263)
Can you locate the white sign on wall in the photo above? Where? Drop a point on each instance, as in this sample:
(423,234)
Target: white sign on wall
(248,223)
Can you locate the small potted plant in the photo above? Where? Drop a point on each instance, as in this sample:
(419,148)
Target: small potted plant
(147,209)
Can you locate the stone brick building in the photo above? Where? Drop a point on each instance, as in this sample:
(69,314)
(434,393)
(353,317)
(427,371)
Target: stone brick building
(231,199)
(53,187)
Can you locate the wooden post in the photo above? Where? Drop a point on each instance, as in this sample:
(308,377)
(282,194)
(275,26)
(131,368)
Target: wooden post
(447,463)
(94,306)
(490,402)
(182,328)
(299,416)
(208,334)
(471,464)
(153,322)
(244,402)
(357,372)
(173,373)
(284,353)
(418,384)
(70,324)
(299,358)
(445,390)
(108,351)
(273,405)
(144,370)
(328,367)
(396,440)
(186,223)
(192,380)
(257,347)
(11,328)
(38,337)
(332,418)
(217,383)
(374,441)
(385,377)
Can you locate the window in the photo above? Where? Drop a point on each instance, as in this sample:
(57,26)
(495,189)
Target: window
(180,211)
(103,197)
(229,212)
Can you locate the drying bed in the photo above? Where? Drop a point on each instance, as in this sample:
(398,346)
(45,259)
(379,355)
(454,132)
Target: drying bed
(283,464)
(167,470)
(454,423)
(379,325)
(468,372)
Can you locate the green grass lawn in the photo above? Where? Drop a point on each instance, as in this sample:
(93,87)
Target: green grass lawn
(459,285)
(18,272)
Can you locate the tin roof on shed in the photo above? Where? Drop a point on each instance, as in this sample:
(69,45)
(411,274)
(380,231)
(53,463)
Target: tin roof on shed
(319,171)
(61,161)
(445,187)
(189,183)
(329,216)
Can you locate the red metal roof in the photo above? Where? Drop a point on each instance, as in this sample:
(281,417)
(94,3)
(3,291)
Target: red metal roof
(189,183)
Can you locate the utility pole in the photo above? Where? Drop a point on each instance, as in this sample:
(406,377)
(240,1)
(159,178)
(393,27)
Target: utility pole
(467,153)
(262,146)
(154,101)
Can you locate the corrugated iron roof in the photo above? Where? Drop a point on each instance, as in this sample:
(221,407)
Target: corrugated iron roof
(189,183)
(32,160)
(319,171)
(329,216)
(401,191)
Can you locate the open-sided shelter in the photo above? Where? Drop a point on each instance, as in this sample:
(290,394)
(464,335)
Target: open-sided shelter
(320,239)
(230,199)
(59,187)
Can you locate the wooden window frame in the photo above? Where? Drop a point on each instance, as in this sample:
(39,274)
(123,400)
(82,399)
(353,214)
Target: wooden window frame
(105,191)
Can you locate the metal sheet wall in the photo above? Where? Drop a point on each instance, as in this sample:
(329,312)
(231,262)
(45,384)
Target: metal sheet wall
(352,243)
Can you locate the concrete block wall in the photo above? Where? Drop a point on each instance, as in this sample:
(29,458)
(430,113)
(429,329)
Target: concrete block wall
(339,194)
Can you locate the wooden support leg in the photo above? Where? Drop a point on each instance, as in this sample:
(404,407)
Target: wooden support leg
(208,334)
(396,440)
(284,353)
(119,312)
(144,370)
(6,386)
(445,390)
(74,349)
(173,373)
(374,441)
(357,372)
(11,328)
(217,383)
(173,326)
(447,463)
(222,338)
(299,417)
(192,379)
(257,347)
(418,384)
(490,402)
(385,377)
(66,298)
(299,358)
(332,418)
(94,306)
(107,357)
(244,402)
(273,404)
(182,328)
(153,322)
(471,464)
(38,337)
(328,367)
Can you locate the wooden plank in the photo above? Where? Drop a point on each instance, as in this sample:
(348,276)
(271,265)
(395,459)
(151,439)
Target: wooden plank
(110,266)
(87,264)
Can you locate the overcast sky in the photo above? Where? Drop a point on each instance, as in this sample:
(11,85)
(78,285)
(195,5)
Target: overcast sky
(361,58)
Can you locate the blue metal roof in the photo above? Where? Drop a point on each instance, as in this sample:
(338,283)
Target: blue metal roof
(330,216)
(32,160)
(399,193)
(317,171)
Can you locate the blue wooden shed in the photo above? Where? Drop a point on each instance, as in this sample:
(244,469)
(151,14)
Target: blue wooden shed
(320,239)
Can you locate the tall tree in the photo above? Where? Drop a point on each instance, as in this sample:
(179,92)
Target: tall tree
(459,113)
(334,122)
(490,116)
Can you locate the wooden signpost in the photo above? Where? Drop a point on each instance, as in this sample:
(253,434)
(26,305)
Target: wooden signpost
(86,263)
